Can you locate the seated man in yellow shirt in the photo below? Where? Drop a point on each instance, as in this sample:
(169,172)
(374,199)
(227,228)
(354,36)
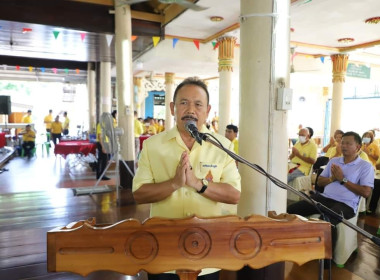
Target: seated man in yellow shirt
(181,178)
(304,154)
(28,140)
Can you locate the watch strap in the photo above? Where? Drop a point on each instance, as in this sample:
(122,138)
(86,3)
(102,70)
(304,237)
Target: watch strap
(202,190)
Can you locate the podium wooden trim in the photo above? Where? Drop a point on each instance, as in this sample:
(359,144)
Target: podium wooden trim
(186,245)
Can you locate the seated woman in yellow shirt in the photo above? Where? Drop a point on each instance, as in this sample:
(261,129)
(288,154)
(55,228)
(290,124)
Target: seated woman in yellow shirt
(28,140)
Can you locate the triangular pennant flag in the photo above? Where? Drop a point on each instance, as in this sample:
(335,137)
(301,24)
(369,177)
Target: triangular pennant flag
(42,69)
(77,70)
(30,68)
(109,38)
(56,33)
(156,39)
(83,36)
(17,67)
(175,40)
(133,38)
(322,58)
(216,45)
(66,71)
(26,30)
(196,43)
(213,44)
(54,70)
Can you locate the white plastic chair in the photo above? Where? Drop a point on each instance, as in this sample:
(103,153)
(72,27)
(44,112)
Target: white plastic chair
(346,240)
(302,183)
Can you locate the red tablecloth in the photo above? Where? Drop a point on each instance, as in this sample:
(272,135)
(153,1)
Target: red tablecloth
(2,139)
(75,147)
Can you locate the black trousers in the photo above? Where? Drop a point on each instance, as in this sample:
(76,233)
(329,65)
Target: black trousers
(28,147)
(305,209)
(170,276)
(55,136)
(102,161)
(375,196)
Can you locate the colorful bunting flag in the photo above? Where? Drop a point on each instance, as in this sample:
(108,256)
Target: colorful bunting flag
(77,70)
(55,33)
(156,39)
(42,69)
(175,40)
(17,67)
(83,36)
(30,68)
(216,45)
(196,43)
(109,38)
(66,71)
(54,70)
(134,37)
(322,58)
(26,30)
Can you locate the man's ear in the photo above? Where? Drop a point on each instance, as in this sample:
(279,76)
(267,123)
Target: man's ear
(172,108)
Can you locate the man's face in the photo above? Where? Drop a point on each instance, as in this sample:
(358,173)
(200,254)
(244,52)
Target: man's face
(190,104)
(349,146)
(230,134)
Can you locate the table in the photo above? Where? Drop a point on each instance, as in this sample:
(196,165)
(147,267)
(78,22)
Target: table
(83,147)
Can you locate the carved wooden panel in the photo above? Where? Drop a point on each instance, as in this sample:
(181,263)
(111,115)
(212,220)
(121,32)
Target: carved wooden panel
(189,244)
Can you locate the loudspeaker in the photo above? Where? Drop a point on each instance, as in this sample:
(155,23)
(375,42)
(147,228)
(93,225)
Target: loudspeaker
(5,105)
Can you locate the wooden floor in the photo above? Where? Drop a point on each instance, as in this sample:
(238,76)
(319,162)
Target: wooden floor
(36,195)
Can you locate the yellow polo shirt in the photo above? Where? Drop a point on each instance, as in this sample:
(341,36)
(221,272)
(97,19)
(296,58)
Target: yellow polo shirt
(159,158)
(48,120)
(26,119)
(364,156)
(139,129)
(66,123)
(373,150)
(56,127)
(307,150)
(236,145)
(29,136)
(331,152)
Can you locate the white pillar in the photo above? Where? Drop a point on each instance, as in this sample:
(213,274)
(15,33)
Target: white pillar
(124,79)
(226,58)
(169,91)
(105,87)
(339,77)
(264,67)
(91,86)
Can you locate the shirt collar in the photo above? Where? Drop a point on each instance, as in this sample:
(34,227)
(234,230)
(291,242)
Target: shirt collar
(173,133)
(356,161)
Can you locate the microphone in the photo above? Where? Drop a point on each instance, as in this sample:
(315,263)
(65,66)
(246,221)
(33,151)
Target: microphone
(192,128)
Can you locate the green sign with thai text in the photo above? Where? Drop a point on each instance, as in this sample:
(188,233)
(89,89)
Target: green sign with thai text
(358,71)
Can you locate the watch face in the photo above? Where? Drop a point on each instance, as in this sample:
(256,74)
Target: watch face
(204,182)
(345,180)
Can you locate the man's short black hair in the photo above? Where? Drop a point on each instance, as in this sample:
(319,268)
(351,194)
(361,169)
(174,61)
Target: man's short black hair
(357,137)
(311,131)
(192,81)
(232,127)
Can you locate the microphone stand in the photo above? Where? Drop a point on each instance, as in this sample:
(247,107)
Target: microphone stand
(322,209)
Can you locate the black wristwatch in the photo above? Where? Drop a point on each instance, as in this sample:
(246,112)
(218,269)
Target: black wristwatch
(344,180)
(204,186)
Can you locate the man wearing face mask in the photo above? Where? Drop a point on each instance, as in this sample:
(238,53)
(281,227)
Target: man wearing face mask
(304,154)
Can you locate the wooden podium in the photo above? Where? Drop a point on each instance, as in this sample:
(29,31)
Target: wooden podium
(187,245)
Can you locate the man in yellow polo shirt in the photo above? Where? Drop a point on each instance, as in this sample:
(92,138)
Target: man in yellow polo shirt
(48,121)
(304,154)
(139,130)
(27,118)
(181,178)
(28,140)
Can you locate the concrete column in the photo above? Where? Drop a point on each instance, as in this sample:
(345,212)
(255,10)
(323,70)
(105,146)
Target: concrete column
(91,85)
(340,62)
(105,87)
(169,92)
(226,59)
(124,83)
(264,67)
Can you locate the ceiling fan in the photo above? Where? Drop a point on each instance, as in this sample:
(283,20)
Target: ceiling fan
(184,3)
